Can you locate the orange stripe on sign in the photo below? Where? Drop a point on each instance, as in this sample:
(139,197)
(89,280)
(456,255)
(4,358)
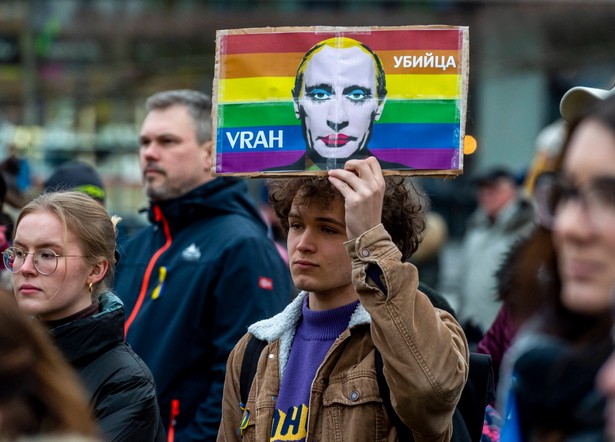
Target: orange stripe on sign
(393,62)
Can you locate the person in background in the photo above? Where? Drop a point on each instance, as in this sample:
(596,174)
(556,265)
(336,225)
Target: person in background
(524,285)
(523,281)
(349,237)
(201,273)
(502,216)
(6,233)
(79,176)
(40,393)
(549,390)
(63,259)
(427,256)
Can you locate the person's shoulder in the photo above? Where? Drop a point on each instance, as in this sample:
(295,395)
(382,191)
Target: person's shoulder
(120,364)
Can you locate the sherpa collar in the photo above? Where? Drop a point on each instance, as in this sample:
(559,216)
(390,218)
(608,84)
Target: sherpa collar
(283,325)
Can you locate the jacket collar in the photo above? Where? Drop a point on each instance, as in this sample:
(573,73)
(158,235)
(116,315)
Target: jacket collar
(223,195)
(92,335)
(283,326)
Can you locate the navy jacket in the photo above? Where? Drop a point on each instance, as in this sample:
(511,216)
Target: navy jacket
(122,390)
(192,282)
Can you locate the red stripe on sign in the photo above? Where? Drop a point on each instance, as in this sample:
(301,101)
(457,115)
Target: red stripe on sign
(265,283)
(391,40)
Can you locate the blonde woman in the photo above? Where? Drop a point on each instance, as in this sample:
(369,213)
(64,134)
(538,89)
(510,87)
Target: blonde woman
(63,260)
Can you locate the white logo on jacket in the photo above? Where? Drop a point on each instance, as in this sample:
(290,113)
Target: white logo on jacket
(191,253)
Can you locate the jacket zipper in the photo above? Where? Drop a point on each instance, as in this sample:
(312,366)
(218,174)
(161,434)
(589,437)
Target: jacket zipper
(174,413)
(158,217)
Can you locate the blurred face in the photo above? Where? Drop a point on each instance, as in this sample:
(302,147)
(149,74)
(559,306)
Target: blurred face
(338,103)
(63,292)
(585,242)
(318,260)
(496,195)
(172,160)
(3,239)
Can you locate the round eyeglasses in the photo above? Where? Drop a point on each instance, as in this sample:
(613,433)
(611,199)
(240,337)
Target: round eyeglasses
(45,260)
(596,198)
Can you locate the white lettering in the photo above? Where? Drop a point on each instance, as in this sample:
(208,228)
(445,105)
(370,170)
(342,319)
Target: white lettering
(279,139)
(260,140)
(451,62)
(232,140)
(246,139)
(429,60)
(439,62)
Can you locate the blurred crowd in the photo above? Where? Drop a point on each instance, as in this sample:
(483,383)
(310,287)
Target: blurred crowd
(144,352)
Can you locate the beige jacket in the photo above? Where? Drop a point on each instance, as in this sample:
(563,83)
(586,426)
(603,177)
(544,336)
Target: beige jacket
(424,350)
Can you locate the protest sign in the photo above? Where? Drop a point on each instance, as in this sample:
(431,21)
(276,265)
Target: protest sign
(300,100)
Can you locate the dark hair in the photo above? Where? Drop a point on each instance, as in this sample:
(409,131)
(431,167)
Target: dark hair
(197,103)
(602,111)
(402,210)
(39,391)
(528,279)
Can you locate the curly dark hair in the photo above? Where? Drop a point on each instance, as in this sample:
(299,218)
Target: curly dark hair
(402,210)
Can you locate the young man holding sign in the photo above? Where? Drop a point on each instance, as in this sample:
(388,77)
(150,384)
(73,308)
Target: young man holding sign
(349,237)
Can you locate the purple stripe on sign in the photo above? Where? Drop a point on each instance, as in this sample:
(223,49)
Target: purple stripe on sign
(247,162)
(421,158)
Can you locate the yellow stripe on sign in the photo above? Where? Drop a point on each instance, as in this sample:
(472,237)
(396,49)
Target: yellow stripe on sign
(241,90)
(425,87)
(259,89)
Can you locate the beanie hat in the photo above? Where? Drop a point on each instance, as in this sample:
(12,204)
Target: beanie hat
(79,176)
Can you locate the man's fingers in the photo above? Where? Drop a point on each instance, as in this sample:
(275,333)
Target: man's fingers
(358,173)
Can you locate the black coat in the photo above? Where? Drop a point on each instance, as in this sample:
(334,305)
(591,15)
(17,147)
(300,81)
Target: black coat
(122,389)
(221,274)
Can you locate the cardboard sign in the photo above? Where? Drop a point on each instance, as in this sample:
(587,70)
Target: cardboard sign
(301,100)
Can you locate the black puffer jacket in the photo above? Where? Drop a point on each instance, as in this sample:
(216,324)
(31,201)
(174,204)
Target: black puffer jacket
(123,393)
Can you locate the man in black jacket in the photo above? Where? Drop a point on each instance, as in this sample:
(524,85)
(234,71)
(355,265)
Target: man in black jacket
(201,273)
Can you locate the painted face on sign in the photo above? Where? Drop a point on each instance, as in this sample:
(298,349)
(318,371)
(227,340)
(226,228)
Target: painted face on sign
(338,102)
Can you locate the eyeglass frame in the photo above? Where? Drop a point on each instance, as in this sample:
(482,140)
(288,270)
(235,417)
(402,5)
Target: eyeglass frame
(57,255)
(546,216)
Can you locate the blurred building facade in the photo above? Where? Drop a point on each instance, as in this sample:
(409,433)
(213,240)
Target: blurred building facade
(74,73)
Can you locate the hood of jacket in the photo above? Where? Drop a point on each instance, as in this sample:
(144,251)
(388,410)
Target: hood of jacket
(217,197)
(84,338)
(283,326)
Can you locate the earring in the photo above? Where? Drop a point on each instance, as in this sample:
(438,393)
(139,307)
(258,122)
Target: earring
(90,288)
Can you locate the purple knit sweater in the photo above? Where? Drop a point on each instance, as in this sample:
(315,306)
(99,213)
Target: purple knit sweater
(316,332)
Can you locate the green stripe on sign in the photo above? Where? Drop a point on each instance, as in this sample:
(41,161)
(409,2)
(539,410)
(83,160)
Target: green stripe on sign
(256,114)
(283,113)
(420,111)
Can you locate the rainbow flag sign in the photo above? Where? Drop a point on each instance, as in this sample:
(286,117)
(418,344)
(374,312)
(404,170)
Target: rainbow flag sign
(300,100)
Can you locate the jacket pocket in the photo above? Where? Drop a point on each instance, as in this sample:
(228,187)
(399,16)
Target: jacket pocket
(353,411)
